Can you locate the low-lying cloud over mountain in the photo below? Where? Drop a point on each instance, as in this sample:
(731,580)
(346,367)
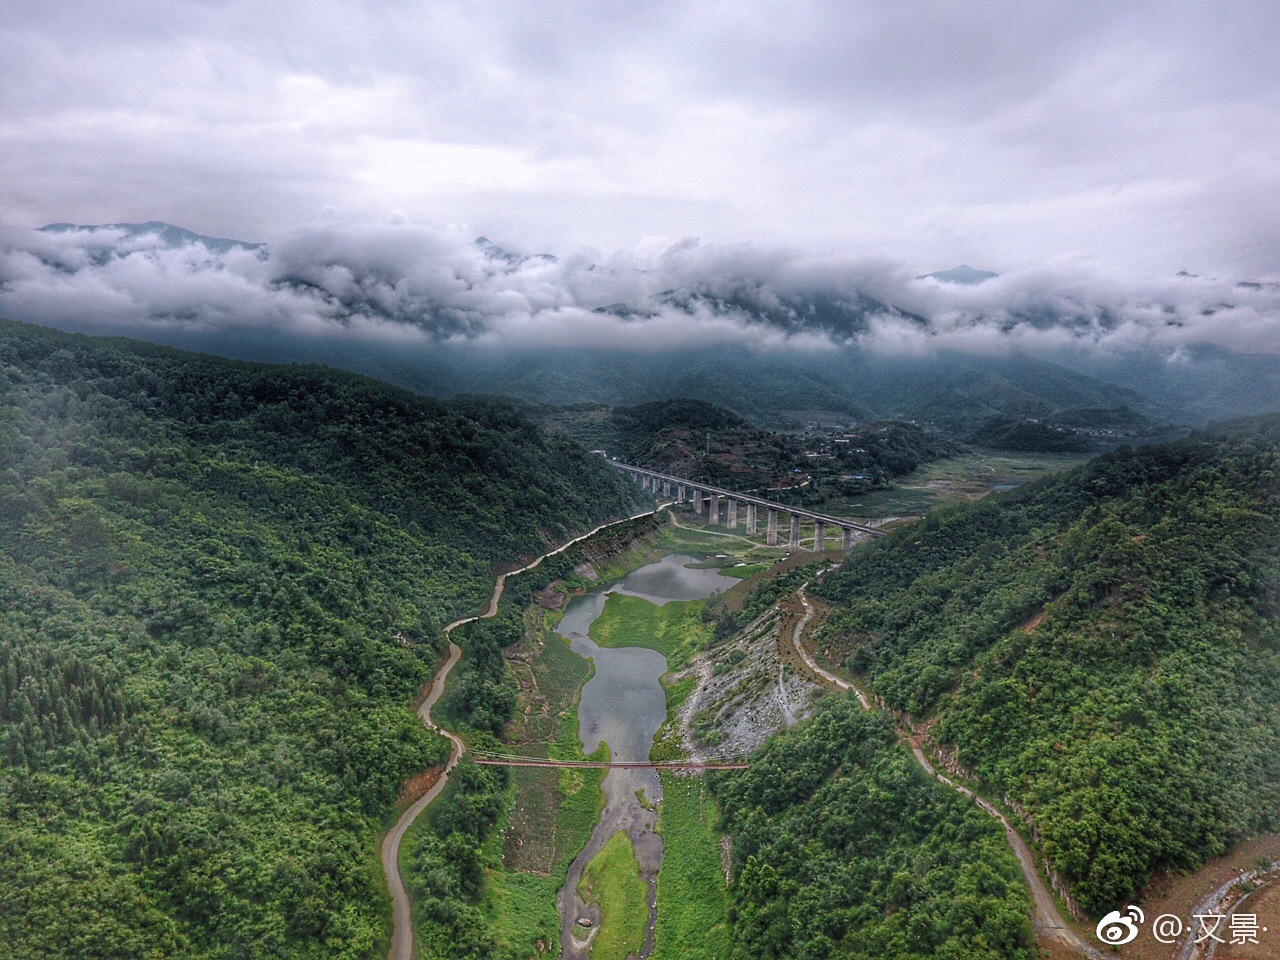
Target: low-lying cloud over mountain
(409,283)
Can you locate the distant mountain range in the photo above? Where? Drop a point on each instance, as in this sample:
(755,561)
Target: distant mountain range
(755,339)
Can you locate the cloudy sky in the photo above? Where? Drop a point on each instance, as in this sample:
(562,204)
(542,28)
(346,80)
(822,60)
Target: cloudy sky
(1135,137)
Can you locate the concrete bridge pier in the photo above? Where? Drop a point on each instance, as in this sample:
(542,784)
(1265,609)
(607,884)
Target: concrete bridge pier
(706,504)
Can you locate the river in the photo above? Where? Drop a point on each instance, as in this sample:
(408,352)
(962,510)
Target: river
(623,705)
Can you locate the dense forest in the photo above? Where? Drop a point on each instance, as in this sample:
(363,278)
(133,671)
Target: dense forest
(951,389)
(1101,647)
(445,862)
(1011,433)
(844,848)
(222,584)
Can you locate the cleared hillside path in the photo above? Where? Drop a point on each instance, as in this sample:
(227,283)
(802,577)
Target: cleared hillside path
(402,947)
(1048,921)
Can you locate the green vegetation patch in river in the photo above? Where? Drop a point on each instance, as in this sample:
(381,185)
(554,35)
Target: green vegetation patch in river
(612,880)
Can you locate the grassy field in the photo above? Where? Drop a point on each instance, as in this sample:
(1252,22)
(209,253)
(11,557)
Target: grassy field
(966,477)
(675,630)
(612,879)
(746,570)
(691,885)
(714,540)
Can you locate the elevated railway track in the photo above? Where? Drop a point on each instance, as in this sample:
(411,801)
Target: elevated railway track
(713,502)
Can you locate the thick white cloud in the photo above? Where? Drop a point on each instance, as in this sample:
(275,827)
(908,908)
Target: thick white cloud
(409,283)
(1138,134)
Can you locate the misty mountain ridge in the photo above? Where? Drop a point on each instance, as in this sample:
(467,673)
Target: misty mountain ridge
(169,235)
(495,252)
(838,317)
(754,331)
(963,274)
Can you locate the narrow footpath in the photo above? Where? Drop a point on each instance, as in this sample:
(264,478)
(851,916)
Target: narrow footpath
(1047,920)
(402,947)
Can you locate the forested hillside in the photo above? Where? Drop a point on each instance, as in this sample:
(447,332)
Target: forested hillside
(221,584)
(843,847)
(954,390)
(1102,647)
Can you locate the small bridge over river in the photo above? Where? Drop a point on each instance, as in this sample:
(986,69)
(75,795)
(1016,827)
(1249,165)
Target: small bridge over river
(514,760)
(706,502)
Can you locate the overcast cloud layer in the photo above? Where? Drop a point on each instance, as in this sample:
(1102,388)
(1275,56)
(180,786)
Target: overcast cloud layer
(411,284)
(1133,137)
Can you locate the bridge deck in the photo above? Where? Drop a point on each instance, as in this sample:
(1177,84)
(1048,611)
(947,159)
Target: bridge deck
(758,501)
(598,765)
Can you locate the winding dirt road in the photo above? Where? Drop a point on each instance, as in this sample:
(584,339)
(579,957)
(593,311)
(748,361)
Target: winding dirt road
(401,924)
(401,918)
(1047,920)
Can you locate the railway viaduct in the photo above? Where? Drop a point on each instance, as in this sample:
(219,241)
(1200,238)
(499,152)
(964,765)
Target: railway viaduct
(707,502)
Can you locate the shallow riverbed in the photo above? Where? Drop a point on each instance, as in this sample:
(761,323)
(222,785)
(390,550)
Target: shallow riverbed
(623,705)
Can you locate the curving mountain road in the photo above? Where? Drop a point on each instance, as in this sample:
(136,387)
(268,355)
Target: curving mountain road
(401,923)
(401,918)
(1048,921)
